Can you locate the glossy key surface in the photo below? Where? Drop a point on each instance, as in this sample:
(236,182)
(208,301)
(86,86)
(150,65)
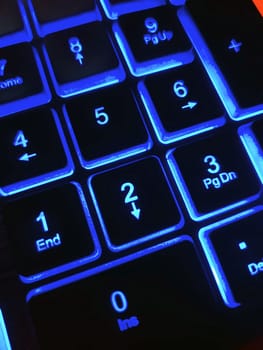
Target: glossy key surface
(214,174)
(236,245)
(32,151)
(111,115)
(50,232)
(233,33)
(154,301)
(80,53)
(181,102)
(10,17)
(134,203)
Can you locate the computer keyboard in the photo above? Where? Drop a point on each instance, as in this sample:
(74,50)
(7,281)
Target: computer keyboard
(131,155)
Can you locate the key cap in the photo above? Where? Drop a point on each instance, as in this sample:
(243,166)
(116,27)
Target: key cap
(105,116)
(22,79)
(81,59)
(57,9)
(53,15)
(114,8)
(236,47)
(134,312)
(214,176)
(234,250)
(4,339)
(50,232)
(152,40)
(181,103)
(134,204)
(33,151)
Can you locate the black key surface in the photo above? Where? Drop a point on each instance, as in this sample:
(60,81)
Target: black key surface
(80,52)
(30,148)
(257,128)
(236,45)
(10,17)
(153,33)
(238,247)
(19,73)
(215,174)
(112,116)
(182,101)
(135,203)
(52,10)
(48,230)
(157,301)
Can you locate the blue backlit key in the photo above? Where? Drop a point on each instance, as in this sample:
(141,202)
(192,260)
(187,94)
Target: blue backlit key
(149,303)
(14,26)
(181,102)
(50,232)
(33,151)
(234,248)
(152,40)
(114,8)
(105,116)
(233,32)
(134,203)
(81,59)
(22,81)
(214,175)
(53,15)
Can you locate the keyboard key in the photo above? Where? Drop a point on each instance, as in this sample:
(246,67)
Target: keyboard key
(214,176)
(53,15)
(234,250)
(22,82)
(251,136)
(148,303)
(236,48)
(181,103)
(152,40)
(104,116)
(14,27)
(43,234)
(4,339)
(81,59)
(114,8)
(32,151)
(134,204)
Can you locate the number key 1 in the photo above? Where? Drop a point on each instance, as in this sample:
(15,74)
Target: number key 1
(214,176)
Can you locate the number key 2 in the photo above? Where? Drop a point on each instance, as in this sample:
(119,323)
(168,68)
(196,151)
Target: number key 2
(214,176)
(134,204)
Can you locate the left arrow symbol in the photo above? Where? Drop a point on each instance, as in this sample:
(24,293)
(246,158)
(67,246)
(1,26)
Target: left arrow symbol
(26,157)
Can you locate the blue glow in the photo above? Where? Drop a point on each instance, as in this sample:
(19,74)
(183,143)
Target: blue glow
(63,23)
(95,270)
(168,137)
(113,11)
(151,66)
(242,246)
(150,236)
(128,152)
(195,215)
(216,76)
(30,101)
(177,2)
(21,36)
(253,148)
(213,260)
(4,340)
(45,178)
(74,264)
(97,81)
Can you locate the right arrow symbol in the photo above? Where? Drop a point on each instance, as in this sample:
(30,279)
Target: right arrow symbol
(189,105)
(135,211)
